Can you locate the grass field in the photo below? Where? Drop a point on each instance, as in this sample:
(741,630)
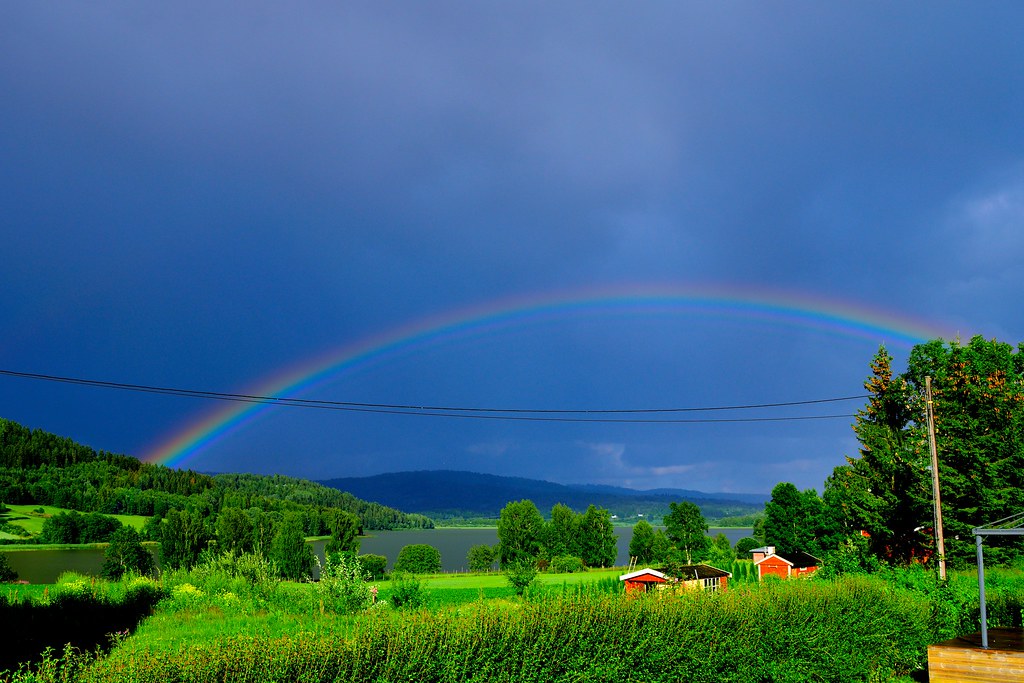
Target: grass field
(214,626)
(31,518)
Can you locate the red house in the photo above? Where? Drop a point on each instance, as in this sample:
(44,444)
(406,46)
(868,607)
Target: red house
(769,563)
(700,576)
(643,580)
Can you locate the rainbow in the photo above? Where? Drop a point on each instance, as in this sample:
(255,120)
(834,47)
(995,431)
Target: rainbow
(771,307)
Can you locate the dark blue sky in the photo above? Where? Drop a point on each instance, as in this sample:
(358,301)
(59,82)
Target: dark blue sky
(203,196)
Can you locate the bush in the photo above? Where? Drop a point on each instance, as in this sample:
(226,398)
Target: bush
(374,565)
(7,574)
(125,554)
(342,586)
(858,629)
(520,575)
(248,575)
(418,558)
(480,558)
(566,564)
(406,591)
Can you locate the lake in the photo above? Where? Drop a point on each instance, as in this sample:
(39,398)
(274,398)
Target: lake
(455,543)
(44,566)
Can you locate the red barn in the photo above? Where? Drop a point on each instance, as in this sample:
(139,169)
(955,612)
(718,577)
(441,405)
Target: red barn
(769,563)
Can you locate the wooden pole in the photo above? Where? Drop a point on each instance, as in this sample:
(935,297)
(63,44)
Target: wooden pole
(930,412)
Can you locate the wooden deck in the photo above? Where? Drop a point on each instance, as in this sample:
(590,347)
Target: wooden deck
(962,659)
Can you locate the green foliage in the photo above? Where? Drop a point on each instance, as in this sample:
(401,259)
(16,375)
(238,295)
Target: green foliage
(566,564)
(418,558)
(741,521)
(745,545)
(125,555)
(852,556)
(342,586)
(41,468)
(373,565)
(184,535)
(227,581)
(74,527)
(687,530)
(520,575)
(598,546)
(480,558)
(794,521)
(743,572)
(7,573)
(857,630)
(721,554)
(345,529)
(234,531)
(563,534)
(519,532)
(978,398)
(641,545)
(289,551)
(661,547)
(406,592)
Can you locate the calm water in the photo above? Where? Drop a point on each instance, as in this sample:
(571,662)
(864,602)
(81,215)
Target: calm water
(455,543)
(44,566)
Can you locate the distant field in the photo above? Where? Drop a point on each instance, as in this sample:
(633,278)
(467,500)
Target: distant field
(497,579)
(29,518)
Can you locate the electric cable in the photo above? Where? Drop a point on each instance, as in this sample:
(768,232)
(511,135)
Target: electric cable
(520,414)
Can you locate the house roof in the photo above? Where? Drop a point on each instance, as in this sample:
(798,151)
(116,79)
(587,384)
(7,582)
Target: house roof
(763,549)
(691,572)
(643,572)
(797,560)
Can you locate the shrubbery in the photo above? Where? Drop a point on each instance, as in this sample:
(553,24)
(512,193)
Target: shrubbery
(856,629)
(374,565)
(406,591)
(565,564)
(418,558)
(7,573)
(342,586)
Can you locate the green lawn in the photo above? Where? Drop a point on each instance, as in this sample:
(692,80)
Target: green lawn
(497,579)
(29,518)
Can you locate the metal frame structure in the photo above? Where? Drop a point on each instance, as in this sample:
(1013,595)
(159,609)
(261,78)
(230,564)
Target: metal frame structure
(1008,526)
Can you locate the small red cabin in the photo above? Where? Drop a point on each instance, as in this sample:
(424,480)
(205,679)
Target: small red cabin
(643,580)
(700,576)
(769,563)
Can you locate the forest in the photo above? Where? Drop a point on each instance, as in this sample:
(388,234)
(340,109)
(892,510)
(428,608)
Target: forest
(188,512)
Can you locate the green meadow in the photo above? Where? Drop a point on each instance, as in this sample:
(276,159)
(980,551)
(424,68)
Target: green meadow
(213,624)
(31,517)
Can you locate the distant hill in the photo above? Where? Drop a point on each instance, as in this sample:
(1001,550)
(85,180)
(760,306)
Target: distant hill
(37,467)
(446,494)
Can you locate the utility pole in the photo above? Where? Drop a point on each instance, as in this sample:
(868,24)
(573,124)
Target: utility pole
(930,412)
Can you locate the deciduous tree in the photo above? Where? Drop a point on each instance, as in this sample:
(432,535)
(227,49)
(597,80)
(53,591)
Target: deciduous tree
(126,554)
(289,551)
(598,544)
(641,545)
(480,558)
(418,558)
(519,531)
(686,527)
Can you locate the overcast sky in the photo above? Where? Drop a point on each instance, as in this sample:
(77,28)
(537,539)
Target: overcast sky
(203,195)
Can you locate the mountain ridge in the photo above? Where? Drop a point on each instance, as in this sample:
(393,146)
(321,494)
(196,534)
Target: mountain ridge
(446,494)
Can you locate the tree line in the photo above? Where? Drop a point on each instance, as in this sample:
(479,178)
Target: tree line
(878,507)
(40,468)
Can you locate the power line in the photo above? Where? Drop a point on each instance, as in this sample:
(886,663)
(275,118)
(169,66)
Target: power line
(520,414)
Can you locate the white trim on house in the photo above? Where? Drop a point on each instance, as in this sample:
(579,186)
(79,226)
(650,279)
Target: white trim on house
(642,572)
